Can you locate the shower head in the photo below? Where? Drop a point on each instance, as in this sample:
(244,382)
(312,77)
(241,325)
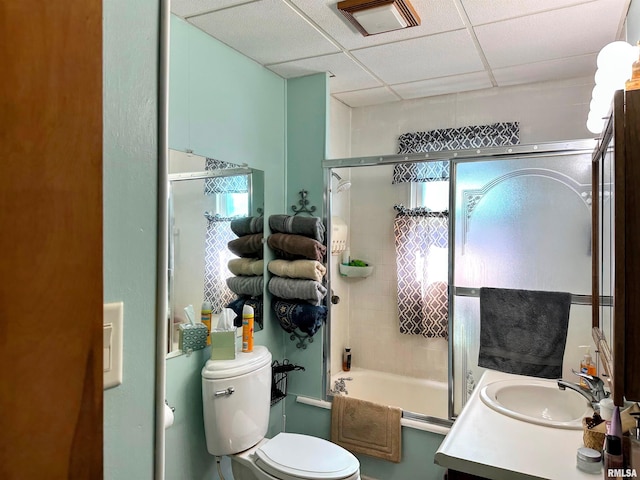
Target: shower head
(343,184)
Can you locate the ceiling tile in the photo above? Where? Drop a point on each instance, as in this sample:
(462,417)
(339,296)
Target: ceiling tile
(481,11)
(421,58)
(546,36)
(544,71)
(436,16)
(186,8)
(268,31)
(348,75)
(362,98)
(442,86)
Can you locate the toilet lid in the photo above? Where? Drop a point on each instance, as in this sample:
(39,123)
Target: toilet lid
(290,456)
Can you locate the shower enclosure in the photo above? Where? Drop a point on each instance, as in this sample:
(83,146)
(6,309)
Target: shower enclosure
(519,217)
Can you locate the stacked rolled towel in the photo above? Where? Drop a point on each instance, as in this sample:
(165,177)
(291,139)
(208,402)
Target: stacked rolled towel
(247,225)
(255,302)
(248,282)
(307,226)
(307,318)
(296,247)
(250,286)
(308,269)
(246,266)
(297,284)
(248,246)
(294,288)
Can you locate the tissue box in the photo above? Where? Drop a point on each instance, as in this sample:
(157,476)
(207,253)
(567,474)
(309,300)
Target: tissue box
(223,345)
(193,337)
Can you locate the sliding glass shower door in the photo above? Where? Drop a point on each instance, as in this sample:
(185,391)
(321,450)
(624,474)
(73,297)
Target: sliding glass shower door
(520,223)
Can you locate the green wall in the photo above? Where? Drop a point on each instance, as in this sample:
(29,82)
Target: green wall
(130,60)
(307,132)
(221,105)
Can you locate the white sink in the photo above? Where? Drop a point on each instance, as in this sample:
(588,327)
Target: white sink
(537,401)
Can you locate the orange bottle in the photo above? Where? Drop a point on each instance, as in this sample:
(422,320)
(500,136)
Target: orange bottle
(247,329)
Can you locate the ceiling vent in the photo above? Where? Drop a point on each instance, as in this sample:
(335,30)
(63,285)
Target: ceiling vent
(371,17)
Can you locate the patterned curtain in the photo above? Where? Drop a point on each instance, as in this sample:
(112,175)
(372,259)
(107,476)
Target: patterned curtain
(219,234)
(233,184)
(421,239)
(475,136)
(216,260)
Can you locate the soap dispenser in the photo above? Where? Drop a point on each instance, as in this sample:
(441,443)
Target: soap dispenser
(586,365)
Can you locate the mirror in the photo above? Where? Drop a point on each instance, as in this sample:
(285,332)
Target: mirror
(210,204)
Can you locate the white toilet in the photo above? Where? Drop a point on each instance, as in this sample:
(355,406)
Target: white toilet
(236,398)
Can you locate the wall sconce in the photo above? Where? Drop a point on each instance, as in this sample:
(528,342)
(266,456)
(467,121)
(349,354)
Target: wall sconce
(614,69)
(378,16)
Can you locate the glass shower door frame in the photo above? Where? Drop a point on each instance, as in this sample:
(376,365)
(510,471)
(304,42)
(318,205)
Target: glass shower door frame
(455,157)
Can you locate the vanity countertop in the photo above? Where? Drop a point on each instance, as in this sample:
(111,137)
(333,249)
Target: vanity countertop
(489,444)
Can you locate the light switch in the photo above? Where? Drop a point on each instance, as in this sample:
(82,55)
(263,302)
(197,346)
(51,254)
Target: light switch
(106,346)
(112,343)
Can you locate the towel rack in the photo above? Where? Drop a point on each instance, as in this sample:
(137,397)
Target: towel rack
(575,298)
(303,202)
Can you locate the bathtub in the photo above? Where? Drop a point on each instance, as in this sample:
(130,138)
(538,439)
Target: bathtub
(426,398)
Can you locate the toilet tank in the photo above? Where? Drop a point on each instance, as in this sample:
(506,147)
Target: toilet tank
(236,400)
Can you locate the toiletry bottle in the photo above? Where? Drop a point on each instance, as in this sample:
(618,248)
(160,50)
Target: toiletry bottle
(346,360)
(586,365)
(634,82)
(634,447)
(247,329)
(205,318)
(612,455)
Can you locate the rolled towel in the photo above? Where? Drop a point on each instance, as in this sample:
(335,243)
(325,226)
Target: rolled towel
(246,266)
(308,226)
(309,269)
(247,246)
(296,247)
(295,288)
(255,302)
(247,225)
(291,315)
(252,286)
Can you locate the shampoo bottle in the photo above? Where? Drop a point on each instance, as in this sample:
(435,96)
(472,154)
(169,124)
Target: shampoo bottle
(205,318)
(247,329)
(586,365)
(346,360)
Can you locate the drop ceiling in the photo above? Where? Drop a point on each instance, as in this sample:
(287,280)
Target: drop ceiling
(461,45)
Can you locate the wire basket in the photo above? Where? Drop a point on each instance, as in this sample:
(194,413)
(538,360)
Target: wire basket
(279,373)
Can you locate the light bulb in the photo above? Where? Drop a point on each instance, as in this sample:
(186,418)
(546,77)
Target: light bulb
(595,125)
(613,54)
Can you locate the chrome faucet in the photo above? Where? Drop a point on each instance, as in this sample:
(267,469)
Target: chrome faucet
(594,392)
(340,387)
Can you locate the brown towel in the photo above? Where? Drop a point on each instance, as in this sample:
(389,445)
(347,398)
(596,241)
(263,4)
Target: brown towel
(247,246)
(367,427)
(294,247)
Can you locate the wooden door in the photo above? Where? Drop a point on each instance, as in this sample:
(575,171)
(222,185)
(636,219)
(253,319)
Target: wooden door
(51,239)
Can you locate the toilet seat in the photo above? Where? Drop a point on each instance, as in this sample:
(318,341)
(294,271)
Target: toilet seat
(290,456)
